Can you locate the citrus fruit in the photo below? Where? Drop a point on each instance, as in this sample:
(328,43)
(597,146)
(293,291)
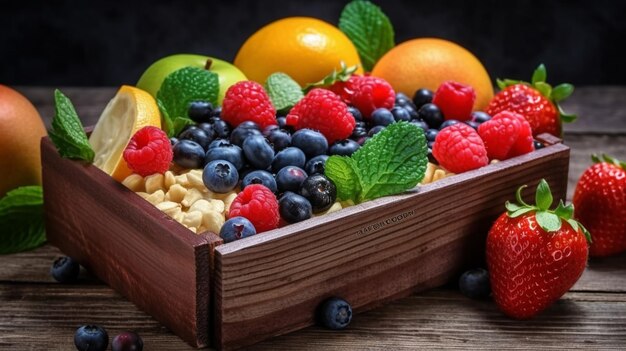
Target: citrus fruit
(307,49)
(130,110)
(428,62)
(21,130)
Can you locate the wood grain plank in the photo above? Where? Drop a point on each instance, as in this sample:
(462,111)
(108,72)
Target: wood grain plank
(272,283)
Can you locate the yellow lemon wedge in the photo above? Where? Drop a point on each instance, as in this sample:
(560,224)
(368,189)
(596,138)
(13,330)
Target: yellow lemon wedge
(130,110)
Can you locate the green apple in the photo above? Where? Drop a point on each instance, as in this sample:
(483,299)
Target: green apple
(153,77)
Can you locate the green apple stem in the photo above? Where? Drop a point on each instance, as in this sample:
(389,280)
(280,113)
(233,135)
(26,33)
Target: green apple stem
(208,64)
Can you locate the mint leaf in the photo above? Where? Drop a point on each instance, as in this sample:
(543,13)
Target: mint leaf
(369,29)
(393,161)
(342,171)
(68,134)
(182,87)
(21,220)
(284,92)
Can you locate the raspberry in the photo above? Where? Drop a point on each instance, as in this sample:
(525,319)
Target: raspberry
(345,90)
(371,93)
(248,101)
(455,100)
(149,151)
(458,148)
(322,110)
(258,204)
(506,135)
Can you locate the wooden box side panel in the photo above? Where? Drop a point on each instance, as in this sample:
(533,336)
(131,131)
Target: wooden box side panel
(368,254)
(140,252)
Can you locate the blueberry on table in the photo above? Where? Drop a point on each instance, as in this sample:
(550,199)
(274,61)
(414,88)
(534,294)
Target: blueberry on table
(220,176)
(344,147)
(290,178)
(335,313)
(221,128)
(200,111)
(422,97)
(224,150)
(208,129)
(294,208)
(313,143)
(316,165)
(320,191)
(431,114)
(382,117)
(258,151)
(400,114)
(291,156)
(236,228)
(240,134)
(91,338)
(260,177)
(127,341)
(280,139)
(198,135)
(269,129)
(475,283)
(188,154)
(65,270)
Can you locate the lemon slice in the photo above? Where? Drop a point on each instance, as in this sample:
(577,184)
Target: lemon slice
(130,110)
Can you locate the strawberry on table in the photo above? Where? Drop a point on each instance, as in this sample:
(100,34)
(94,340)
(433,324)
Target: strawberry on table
(600,200)
(537,101)
(534,254)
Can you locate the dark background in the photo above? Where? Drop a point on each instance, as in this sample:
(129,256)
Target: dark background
(94,43)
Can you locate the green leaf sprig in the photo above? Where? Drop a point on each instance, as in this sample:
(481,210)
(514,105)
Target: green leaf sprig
(284,92)
(608,159)
(178,90)
(369,29)
(21,219)
(548,220)
(341,75)
(555,95)
(393,161)
(67,133)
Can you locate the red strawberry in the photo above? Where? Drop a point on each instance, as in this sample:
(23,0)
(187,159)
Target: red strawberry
(600,200)
(322,110)
(536,101)
(345,89)
(533,257)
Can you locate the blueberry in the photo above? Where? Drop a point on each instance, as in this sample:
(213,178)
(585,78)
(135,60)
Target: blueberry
(249,125)
(224,150)
(282,121)
(220,176)
(320,191)
(311,142)
(475,283)
(173,141)
(361,141)
(431,114)
(430,144)
(420,123)
(269,129)
(400,114)
(335,313)
(240,134)
(198,135)
(358,132)
(208,129)
(448,123)
(219,142)
(91,338)
(260,177)
(291,156)
(538,144)
(258,151)
(472,124)
(431,134)
(280,139)
(188,154)
(382,117)
(200,111)
(290,178)
(358,116)
(221,128)
(316,165)
(65,270)
(403,101)
(480,116)
(294,208)
(412,111)
(374,130)
(237,228)
(127,341)
(344,147)
(431,157)
(217,112)
(422,97)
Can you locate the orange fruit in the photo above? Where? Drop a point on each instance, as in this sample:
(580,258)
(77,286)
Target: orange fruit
(307,49)
(21,130)
(130,110)
(428,62)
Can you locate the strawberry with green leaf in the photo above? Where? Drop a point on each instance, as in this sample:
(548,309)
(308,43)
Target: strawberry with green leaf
(600,200)
(534,254)
(537,101)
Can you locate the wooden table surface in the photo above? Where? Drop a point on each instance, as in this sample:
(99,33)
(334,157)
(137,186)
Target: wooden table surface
(39,314)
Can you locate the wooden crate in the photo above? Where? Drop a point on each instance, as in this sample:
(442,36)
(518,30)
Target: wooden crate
(231,295)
